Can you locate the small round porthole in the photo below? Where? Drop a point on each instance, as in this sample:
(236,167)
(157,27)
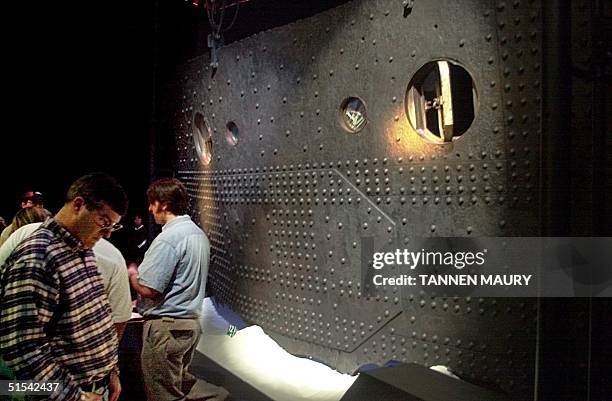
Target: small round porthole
(353,114)
(441,101)
(232,133)
(202,138)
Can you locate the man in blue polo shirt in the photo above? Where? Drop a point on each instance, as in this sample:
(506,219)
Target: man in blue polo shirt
(172,280)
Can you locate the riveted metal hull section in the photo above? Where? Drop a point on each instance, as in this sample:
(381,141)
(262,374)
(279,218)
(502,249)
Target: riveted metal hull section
(287,206)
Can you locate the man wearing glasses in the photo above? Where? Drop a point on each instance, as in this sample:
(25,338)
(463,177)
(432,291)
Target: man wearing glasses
(55,319)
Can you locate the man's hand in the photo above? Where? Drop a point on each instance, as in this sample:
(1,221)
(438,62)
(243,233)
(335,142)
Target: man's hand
(132,270)
(114,387)
(142,290)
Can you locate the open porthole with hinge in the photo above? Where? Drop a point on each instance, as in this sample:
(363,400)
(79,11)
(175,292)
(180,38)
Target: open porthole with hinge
(441,101)
(353,114)
(202,138)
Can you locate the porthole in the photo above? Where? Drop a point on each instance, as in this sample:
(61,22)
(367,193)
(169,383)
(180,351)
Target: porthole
(232,133)
(353,114)
(202,138)
(441,101)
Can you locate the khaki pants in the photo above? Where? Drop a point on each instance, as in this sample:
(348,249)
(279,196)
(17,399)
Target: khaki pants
(167,349)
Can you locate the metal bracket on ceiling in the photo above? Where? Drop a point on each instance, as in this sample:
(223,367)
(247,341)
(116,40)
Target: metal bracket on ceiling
(408,5)
(215,41)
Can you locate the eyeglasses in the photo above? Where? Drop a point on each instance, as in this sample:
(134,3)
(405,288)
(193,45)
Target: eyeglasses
(108,224)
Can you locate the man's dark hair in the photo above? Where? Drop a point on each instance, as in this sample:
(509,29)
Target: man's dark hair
(170,192)
(99,188)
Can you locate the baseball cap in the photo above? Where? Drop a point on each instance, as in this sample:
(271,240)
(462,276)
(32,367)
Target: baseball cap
(34,196)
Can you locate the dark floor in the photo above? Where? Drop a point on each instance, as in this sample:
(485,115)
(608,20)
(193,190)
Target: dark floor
(208,370)
(203,367)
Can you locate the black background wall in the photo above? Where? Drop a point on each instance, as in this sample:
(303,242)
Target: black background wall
(529,64)
(79,84)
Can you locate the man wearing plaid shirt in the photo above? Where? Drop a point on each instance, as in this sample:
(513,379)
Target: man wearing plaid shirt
(55,319)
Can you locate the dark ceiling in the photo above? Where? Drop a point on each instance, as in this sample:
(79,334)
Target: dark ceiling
(80,81)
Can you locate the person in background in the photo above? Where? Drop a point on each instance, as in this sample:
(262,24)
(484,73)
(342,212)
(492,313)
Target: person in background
(27,215)
(2,223)
(137,241)
(72,342)
(172,280)
(136,244)
(32,198)
(28,199)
